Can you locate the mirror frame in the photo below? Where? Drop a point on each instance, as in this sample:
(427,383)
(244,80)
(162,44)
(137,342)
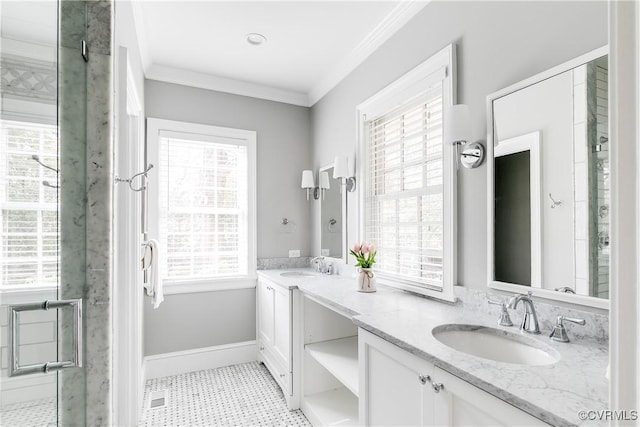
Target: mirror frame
(511,287)
(343,213)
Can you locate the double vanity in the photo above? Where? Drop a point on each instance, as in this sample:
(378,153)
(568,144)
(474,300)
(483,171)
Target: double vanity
(396,358)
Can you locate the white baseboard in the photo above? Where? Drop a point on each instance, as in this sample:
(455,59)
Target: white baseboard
(180,362)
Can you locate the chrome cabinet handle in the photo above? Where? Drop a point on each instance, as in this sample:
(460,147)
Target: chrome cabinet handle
(282,375)
(15,369)
(424,378)
(437,387)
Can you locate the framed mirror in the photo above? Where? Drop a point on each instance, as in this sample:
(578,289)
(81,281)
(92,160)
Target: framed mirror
(548,180)
(333,214)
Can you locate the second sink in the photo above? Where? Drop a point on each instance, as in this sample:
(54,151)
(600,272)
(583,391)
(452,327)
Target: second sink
(495,344)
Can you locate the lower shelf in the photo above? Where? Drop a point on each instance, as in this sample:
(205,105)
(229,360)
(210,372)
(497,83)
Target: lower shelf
(337,407)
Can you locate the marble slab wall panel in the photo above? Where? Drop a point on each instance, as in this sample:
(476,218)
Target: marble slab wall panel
(86,150)
(99,214)
(283,263)
(72,103)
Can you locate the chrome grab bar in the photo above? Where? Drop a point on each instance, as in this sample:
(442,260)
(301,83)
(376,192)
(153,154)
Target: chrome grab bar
(14,338)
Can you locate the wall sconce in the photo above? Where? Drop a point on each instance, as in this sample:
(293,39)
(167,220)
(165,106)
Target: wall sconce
(341,172)
(307,181)
(457,130)
(323,185)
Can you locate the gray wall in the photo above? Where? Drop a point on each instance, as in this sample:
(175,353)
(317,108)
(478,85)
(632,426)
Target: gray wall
(283,151)
(499,43)
(187,321)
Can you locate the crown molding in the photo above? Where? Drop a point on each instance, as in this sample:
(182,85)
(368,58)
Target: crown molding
(222,84)
(396,19)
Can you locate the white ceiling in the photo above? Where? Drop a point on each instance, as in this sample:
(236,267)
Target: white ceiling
(311,45)
(30,21)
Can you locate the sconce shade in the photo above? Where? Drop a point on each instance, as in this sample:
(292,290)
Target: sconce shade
(324,180)
(307,179)
(457,124)
(341,167)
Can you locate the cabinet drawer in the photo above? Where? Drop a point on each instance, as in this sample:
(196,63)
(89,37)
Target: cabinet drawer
(276,367)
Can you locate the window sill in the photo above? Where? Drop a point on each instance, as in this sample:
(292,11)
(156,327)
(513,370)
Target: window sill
(28,294)
(439,293)
(175,287)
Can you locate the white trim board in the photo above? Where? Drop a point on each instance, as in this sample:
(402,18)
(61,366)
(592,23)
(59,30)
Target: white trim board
(396,19)
(180,362)
(221,84)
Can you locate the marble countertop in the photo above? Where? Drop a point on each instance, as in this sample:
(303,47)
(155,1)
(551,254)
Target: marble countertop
(553,393)
(290,282)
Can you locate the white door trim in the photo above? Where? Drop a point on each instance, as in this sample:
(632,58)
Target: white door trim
(624,134)
(127,320)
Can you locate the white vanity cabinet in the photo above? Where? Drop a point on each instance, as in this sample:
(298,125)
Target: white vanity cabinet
(399,388)
(459,403)
(275,308)
(395,385)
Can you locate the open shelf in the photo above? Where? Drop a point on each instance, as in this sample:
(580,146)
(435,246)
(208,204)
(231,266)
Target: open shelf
(337,407)
(340,358)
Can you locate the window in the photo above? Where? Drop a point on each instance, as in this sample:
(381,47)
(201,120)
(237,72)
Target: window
(408,172)
(28,208)
(205,199)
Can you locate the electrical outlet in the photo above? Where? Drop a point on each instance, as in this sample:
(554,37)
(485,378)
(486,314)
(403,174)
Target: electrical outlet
(294,253)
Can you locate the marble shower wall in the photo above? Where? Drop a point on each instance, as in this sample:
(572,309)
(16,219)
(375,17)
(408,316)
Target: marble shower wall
(99,212)
(86,204)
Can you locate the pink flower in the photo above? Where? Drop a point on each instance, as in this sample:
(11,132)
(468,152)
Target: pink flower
(373,247)
(357,247)
(365,247)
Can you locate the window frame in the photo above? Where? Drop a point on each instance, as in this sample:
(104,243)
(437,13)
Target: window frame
(439,67)
(38,207)
(245,137)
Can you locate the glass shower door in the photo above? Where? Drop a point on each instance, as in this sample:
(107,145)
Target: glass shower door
(40,298)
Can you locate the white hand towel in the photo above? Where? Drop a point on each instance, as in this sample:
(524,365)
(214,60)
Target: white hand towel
(145,262)
(155,281)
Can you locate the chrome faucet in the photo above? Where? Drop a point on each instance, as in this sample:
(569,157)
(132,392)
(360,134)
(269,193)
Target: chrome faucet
(320,265)
(559,332)
(530,319)
(504,319)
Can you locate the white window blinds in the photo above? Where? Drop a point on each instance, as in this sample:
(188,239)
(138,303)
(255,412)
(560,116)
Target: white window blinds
(403,200)
(203,222)
(28,209)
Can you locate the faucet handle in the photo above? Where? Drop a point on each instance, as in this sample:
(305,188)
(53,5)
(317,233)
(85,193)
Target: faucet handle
(559,332)
(572,320)
(504,319)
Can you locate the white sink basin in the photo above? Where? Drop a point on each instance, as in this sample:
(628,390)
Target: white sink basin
(495,344)
(296,274)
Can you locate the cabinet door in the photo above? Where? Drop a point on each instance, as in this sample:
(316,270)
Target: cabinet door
(461,404)
(265,313)
(394,390)
(282,325)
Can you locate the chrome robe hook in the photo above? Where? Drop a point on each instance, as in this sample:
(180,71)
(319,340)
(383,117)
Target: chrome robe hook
(130,180)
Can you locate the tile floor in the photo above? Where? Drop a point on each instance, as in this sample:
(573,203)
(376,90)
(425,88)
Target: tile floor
(237,395)
(42,412)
